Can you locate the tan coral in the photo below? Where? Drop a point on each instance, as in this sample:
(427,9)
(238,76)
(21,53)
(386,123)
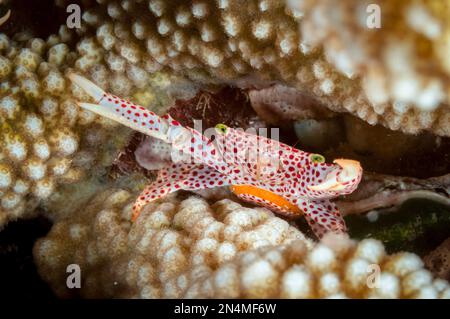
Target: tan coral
(338,268)
(153,256)
(191,249)
(397,76)
(43,132)
(400,64)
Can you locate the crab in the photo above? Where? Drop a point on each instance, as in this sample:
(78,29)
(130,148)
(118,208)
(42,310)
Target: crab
(257,169)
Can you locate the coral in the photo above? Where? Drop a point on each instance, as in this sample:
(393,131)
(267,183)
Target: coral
(46,139)
(169,246)
(404,62)
(404,85)
(188,248)
(279,103)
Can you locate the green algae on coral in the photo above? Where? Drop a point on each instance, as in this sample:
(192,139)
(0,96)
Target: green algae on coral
(418,225)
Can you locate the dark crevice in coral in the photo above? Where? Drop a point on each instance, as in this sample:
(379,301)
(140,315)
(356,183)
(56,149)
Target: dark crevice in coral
(228,105)
(125,163)
(42,18)
(381,150)
(19,278)
(418,226)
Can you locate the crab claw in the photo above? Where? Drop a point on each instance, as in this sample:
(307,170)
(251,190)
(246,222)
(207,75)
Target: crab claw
(347,173)
(90,88)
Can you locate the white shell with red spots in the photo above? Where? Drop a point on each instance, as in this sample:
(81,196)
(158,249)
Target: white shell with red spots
(233,158)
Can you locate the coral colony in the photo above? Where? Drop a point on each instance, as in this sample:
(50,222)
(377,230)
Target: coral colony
(225,212)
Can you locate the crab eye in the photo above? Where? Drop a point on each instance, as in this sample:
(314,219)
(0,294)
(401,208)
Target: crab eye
(317,158)
(222,128)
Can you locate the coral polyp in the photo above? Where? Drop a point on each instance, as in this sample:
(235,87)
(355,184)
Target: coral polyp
(190,249)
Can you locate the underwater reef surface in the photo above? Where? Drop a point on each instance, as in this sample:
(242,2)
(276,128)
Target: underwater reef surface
(330,84)
(190,249)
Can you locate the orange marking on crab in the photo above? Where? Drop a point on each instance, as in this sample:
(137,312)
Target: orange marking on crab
(266,195)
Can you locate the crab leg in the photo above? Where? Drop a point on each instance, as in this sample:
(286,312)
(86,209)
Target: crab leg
(165,128)
(122,111)
(179,176)
(323,216)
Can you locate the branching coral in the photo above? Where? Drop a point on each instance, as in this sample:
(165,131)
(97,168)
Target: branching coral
(337,268)
(189,248)
(46,139)
(404,61)
(302,45)
(166,249)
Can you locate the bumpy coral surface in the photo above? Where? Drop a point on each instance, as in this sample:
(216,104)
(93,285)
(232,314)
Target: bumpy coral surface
(403,63)
(397,75)
(46,139)
(171,244)
(188,248)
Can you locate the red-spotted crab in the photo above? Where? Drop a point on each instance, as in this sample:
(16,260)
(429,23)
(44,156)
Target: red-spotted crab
(257,169)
